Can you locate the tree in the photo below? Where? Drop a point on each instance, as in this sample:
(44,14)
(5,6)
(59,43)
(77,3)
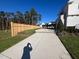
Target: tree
(27,17)
(5,19)
(39,18)
(2,14)
(34,16)
(8,18)
(19,17)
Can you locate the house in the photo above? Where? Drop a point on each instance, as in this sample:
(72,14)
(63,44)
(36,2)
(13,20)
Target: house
(69,15)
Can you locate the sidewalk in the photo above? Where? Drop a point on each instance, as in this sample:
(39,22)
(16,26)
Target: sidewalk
(44,44)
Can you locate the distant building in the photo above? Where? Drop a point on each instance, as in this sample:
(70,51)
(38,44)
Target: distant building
(49,25)
(70,14)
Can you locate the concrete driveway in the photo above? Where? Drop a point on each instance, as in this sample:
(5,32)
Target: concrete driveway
(44,44)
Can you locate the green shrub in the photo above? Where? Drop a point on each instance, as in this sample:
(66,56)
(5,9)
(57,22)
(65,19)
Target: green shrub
(70,29)
(60,26)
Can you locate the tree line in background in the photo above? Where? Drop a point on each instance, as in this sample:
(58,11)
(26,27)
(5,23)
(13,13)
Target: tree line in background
(29,17)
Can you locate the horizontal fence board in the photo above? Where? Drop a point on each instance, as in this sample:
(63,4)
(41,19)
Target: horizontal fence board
(18,27)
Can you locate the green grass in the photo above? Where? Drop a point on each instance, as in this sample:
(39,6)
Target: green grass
(71,42)
(7,41)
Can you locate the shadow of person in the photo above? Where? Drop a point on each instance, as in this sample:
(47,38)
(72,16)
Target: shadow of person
(26,51)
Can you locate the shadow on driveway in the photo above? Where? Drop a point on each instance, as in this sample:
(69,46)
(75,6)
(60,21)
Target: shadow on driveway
(26,51)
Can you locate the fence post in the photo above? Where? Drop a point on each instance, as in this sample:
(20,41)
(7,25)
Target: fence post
(12,34)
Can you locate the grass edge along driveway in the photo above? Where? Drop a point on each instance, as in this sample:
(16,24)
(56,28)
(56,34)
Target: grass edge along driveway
(71,42)
(10,41)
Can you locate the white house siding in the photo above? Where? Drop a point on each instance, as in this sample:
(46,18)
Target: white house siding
(73,9)
(72,12)
(72,21)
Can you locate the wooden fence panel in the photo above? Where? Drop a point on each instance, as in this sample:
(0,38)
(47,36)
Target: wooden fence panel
(17,27)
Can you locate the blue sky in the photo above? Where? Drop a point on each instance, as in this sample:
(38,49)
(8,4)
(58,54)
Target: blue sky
(47,8)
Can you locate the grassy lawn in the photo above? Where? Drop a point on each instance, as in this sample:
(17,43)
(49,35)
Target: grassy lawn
(71,42)
(7,41)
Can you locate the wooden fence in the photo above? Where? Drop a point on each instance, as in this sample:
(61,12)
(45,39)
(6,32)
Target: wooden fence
(18,27)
